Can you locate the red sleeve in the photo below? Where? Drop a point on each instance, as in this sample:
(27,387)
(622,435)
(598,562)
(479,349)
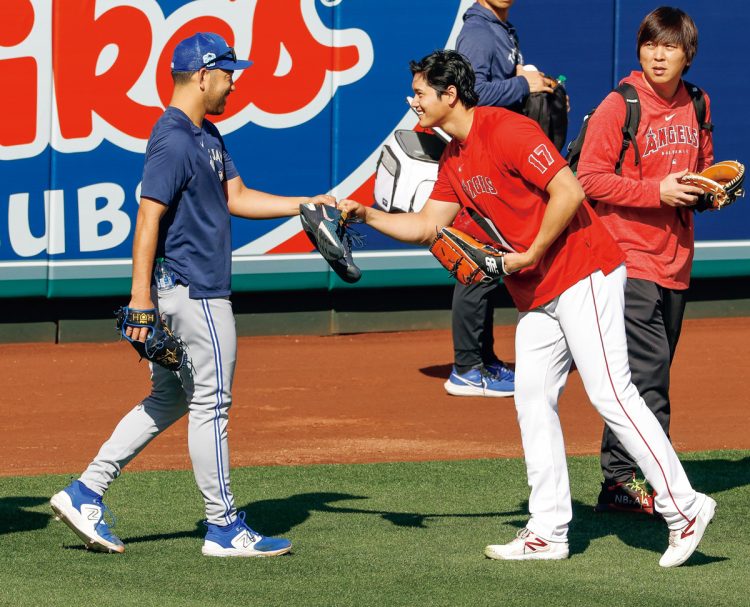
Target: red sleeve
(706,151)
(599,155)
(527,150)
(443,190)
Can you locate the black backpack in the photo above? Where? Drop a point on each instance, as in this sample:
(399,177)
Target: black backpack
(551,112)
(630,126)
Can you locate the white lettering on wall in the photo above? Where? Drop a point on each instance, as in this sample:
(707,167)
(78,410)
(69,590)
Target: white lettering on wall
(23,242)
(90,218)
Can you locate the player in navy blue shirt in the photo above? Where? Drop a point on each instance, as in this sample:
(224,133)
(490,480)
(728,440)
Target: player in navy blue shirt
(182,263)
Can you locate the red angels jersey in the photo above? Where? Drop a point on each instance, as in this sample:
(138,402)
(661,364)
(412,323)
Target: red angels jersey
(502,170)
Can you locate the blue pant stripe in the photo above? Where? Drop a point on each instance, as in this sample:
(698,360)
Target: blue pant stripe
(217,408)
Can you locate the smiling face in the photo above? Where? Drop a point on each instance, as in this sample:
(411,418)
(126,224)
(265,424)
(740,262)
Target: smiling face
(662,63)
(432,110)
(220,84)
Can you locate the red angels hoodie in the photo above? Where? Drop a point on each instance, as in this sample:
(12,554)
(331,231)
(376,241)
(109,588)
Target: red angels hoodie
(657,239)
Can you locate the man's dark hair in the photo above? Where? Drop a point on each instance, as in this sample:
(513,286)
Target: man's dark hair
(442,69)
(668,25)
(182,77)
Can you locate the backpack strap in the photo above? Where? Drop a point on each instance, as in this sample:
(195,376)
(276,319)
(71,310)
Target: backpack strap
(630,126)
(699,103)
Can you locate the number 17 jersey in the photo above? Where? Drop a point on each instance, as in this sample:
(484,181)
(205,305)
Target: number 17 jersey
(501,170)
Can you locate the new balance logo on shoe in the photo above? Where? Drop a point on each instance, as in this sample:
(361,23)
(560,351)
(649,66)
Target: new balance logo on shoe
(92,514)
(244,540)
(82,511)
(237,539)
(528,546)
(688,531)
(628,496)
(536,544)
(626,500)
(683,542)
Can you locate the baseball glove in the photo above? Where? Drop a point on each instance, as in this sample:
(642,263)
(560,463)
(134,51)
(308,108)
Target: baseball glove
(468,260)
(161,346)
(331,234)
(721,184)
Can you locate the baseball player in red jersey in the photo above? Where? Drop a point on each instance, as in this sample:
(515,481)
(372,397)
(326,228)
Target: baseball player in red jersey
(647,211)
(567,279)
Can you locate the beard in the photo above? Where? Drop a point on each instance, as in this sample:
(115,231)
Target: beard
(217,106)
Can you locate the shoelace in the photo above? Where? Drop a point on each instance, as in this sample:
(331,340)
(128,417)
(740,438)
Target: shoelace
(354,239)
(242,525)
(673,535)
(638,487)
(503,373)
(105,510)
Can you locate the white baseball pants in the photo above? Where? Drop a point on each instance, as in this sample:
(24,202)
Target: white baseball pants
(586,324)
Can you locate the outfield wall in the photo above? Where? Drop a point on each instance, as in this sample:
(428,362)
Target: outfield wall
(90,77)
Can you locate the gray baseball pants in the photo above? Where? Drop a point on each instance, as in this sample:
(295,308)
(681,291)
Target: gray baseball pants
(202,389)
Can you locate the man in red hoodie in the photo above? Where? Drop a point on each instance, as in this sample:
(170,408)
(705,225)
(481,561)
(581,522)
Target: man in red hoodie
(648,211)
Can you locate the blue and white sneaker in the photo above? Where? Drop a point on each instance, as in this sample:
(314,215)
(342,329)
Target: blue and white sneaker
(479,382)
(83,511)
(505,374)
(238,539)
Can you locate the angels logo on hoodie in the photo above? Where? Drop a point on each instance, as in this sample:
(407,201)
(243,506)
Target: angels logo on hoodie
(671,135)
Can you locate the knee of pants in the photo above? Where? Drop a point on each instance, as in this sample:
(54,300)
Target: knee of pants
(166,400)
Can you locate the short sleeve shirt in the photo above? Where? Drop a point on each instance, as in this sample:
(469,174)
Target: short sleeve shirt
(185,169)
(502,170)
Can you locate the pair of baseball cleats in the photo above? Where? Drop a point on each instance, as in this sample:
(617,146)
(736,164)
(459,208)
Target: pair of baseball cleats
(83,511)
(528,546)
(330,232)
(490,380)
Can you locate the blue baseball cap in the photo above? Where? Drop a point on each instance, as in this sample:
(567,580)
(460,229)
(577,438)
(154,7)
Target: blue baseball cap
(207,50)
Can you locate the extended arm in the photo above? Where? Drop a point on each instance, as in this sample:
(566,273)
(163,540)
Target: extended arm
(416,228)
(254,204)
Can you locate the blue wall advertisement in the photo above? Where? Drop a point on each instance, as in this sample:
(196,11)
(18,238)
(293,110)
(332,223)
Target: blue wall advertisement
(87,79)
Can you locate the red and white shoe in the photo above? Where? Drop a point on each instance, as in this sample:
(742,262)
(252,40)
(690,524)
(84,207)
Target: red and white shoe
(528,546)
(683,542)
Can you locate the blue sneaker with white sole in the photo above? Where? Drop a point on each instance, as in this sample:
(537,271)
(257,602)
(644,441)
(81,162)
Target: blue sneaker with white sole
(503,373)
(478,381)
(237,539)
(83,511)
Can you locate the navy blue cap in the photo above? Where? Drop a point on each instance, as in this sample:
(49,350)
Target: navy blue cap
(206,50)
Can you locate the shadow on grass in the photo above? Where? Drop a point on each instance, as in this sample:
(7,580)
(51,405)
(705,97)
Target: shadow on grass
(709,476)
(636,530)
(280,516)
(274,517)
(715,475)
(14,517)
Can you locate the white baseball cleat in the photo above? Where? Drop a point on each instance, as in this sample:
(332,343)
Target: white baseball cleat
(83,511)
(683,542)
(528,546)
(237,539)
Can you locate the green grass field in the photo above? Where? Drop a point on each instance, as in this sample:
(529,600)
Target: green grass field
(380,534)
